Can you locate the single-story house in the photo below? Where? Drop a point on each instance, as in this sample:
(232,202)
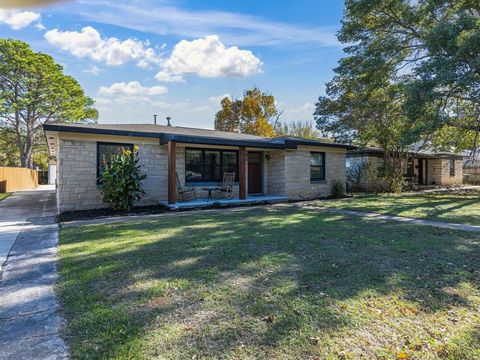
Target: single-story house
(287,168)
(427,167)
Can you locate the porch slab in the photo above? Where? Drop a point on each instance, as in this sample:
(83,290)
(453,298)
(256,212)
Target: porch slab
(204,203)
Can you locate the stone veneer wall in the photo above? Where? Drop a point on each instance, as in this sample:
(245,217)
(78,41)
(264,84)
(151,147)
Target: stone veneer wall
(77,172)
(297,174)
(274,173)
(439,172)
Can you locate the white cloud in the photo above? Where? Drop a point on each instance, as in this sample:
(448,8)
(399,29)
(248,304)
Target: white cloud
(132,91)
(93,70)
(302,112)
(216,99)
(40,26)
(234,28)
(208,57)
(18,19)
(111,51)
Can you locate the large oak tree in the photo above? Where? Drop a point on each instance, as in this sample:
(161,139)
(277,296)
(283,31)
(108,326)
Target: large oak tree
(411,73)
(35,91)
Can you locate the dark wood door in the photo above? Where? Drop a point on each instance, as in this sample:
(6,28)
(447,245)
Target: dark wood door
(254,172)
(422,172)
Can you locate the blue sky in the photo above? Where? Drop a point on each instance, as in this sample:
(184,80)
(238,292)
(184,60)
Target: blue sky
(177,58)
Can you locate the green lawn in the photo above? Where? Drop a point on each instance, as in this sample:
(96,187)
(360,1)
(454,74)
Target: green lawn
(270,283)
(4,195)
(457,208)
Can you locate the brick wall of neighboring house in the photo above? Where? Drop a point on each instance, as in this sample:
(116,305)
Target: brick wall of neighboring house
(297,174)
(439,172)
(77,173)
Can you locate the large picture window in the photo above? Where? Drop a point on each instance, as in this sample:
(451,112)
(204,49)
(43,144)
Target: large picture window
(105,152)
(209,164)
(317,166)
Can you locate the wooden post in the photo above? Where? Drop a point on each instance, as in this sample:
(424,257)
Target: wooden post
(172,187)
(242,173)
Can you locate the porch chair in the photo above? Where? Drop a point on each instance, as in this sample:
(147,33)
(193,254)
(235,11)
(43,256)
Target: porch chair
(184,191)
(226,189)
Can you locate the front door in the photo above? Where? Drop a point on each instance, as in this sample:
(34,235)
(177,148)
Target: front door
(254,172)
(422,172)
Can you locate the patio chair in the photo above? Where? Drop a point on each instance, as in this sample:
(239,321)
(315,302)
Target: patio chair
(185,191)
(226,189)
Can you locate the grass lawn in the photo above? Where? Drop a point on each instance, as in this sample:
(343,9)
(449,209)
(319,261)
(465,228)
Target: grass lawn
(270,283)
(457,208)
(4,195)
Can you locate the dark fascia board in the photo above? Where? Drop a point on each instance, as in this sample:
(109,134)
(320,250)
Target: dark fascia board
(293,144)
(360,151)
(165,138)
(85,130)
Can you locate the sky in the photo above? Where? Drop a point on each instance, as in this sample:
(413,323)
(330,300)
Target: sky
(178,58)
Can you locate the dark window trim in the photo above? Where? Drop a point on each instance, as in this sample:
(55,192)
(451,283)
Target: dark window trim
(130,146)
(452,167)
(203,165)
(322,178)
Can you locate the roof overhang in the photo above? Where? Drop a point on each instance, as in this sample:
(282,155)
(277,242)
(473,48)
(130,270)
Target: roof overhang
(164,138)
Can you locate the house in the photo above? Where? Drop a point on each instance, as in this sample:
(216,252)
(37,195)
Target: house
(426,167)
(275,168)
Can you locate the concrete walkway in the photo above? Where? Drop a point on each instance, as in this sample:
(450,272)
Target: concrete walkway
(29,317)
(309,205)
(372,215)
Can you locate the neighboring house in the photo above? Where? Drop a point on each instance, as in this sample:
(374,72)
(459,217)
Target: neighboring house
(428,167)
(290,167)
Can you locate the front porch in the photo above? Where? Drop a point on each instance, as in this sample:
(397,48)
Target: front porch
(205,203)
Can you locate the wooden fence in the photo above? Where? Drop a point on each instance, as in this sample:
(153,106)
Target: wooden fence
(14,179)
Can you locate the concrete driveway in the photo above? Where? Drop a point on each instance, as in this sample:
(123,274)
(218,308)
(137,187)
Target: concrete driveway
(29,311)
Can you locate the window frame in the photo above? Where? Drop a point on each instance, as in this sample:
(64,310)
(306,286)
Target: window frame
(204,150)
(323,177)
(452,168)
(99,143)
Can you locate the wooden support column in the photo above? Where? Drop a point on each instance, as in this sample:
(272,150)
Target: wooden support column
(242,173)
(172,187)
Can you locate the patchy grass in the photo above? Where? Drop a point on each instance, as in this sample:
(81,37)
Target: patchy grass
(270,283)
(457,208)
(4,195)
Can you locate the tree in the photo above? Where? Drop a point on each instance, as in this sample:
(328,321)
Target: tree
(411,73)
(256,114)
(300,129)
(35,91)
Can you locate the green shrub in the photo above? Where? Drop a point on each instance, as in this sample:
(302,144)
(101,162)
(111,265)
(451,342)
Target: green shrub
(121,180)
(338,189)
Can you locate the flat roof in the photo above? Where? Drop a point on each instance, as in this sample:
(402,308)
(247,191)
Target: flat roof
(190,135)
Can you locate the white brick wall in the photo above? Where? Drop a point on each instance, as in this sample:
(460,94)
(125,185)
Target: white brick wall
(77,172)
(297,170)
(286,173)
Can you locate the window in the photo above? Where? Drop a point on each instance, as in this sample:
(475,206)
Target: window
(209,164)
(317,166)
(105,152)
(452,167)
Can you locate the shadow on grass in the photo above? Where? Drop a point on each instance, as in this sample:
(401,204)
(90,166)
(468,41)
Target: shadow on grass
(456,209)
(210,284)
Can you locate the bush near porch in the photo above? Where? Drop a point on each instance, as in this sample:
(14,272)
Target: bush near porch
(270,283)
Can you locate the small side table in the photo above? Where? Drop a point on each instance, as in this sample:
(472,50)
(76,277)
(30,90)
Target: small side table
(209,189)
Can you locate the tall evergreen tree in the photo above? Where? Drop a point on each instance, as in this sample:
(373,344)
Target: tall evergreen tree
(35,91)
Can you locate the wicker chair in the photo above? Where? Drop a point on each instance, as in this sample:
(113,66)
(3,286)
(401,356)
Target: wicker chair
(185,191)
(226,189)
